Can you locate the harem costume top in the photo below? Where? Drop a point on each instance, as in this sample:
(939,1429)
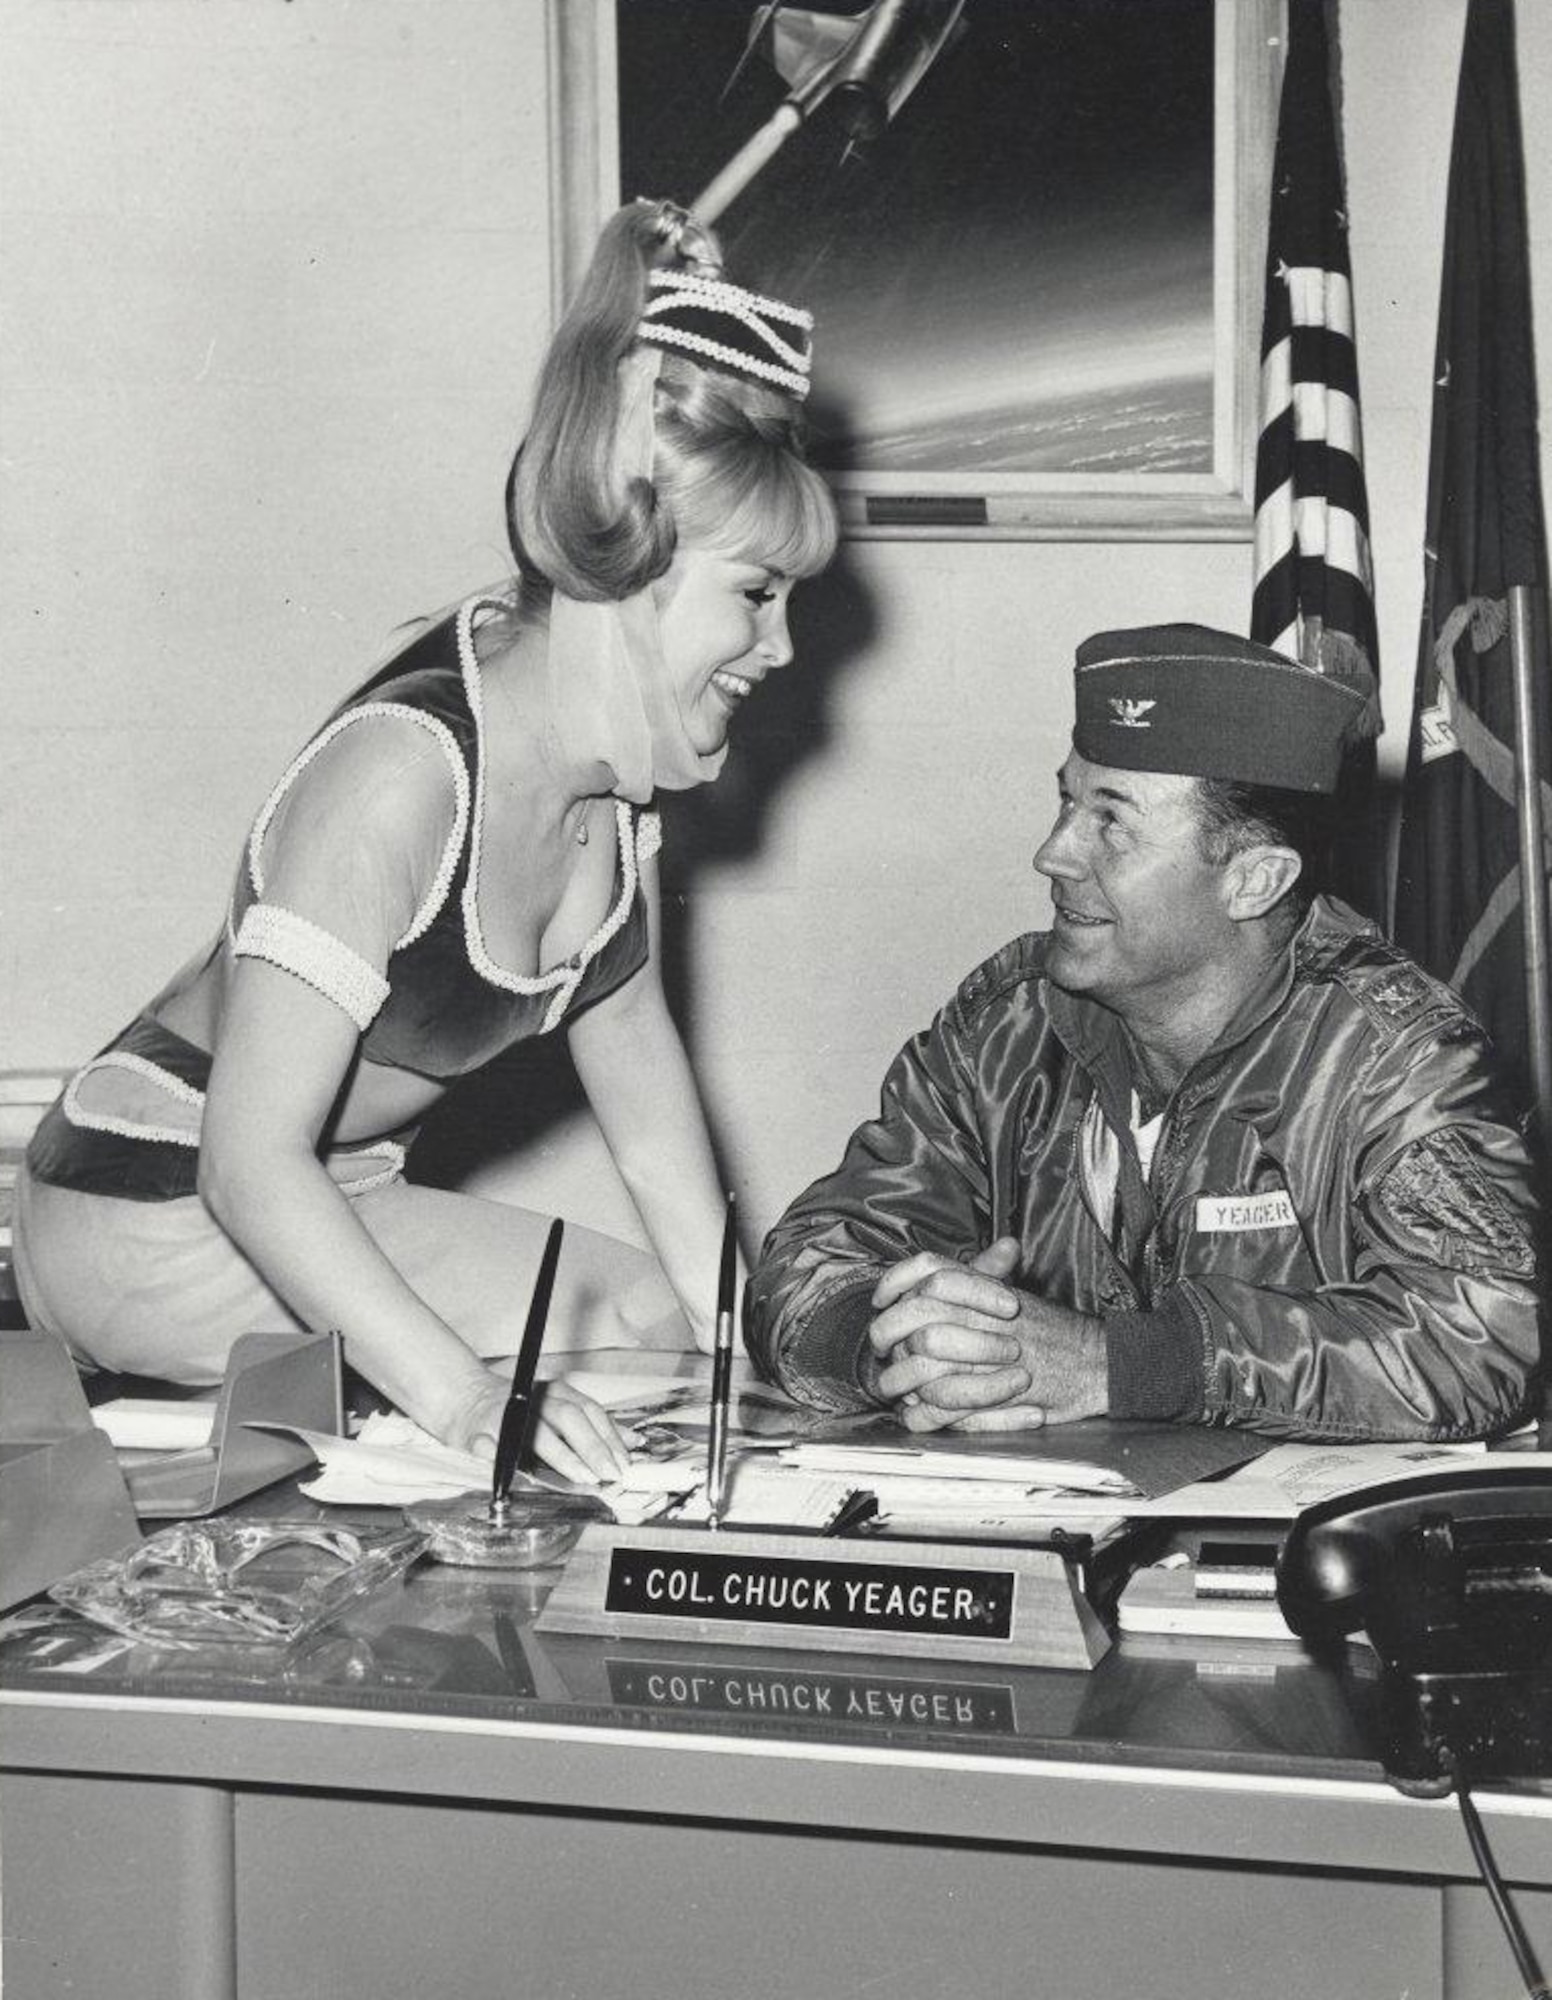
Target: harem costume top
(441,1006)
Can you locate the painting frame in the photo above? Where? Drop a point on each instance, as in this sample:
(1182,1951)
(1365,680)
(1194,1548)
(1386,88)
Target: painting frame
(1215,505)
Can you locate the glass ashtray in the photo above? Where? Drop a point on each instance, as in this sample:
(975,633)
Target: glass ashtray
(525,1531)
(247,1582)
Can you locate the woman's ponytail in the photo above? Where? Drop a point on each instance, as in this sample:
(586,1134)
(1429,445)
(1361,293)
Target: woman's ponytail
(573,516)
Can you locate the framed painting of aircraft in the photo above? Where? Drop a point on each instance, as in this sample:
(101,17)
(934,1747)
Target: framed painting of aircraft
(1031,233)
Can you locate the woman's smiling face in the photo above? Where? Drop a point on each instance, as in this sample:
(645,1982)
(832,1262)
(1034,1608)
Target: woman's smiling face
(723,623)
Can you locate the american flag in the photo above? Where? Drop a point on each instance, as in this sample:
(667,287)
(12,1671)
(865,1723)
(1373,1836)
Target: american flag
(1314,591)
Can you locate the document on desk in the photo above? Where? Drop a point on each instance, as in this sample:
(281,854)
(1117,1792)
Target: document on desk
(765,1495)
(1101,1459)
(388,1463)
(1291,1477)
(392,1462)
(1287,1478)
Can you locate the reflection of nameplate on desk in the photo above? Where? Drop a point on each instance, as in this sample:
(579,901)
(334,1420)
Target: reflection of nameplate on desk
(271,1378)
(935,1703)
(923,1600)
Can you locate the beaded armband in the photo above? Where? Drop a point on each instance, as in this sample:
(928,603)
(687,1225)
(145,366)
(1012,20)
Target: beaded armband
(296,945)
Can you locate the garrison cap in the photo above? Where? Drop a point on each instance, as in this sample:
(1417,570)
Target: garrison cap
(1206,704)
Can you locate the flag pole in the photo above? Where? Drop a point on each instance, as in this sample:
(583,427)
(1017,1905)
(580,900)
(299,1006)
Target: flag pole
(1533,869)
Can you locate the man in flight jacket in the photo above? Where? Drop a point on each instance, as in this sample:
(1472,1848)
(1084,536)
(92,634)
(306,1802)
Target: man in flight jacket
(1209,1150)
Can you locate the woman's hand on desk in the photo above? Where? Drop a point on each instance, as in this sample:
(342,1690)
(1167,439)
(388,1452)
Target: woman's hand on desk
(572,1434)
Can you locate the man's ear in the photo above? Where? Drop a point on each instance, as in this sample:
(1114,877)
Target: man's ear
(1257,880)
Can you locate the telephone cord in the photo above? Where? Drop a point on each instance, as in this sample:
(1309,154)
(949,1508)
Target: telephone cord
(1536,1986)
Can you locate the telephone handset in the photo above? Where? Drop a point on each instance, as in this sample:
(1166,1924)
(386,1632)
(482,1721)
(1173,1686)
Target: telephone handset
(1449,1573)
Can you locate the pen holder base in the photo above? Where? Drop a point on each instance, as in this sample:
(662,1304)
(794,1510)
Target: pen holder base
(526,1531)
(918,1599)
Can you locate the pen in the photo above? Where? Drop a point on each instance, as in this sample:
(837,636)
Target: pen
(722,1372)
(518,1414)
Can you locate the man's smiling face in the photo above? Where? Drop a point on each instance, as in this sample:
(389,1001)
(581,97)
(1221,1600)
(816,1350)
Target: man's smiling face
(1141,916)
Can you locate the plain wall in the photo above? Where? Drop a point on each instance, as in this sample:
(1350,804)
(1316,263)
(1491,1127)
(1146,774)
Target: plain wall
(276,275)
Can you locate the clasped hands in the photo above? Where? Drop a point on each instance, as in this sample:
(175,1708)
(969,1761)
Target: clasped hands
(956,1347)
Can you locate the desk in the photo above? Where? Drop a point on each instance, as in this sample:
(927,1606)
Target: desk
(434,1802)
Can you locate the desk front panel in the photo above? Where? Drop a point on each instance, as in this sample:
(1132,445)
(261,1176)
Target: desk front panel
(619,1908)
(432,1797)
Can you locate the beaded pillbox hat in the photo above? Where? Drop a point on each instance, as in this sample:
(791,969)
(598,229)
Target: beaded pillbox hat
(725,324)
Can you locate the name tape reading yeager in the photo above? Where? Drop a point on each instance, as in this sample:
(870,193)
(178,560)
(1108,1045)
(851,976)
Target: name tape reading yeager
(788,1590)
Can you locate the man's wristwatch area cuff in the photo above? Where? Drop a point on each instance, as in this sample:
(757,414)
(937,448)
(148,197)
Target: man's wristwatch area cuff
(1154,1362)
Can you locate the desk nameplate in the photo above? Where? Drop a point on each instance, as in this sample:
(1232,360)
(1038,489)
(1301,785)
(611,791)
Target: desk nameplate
(923,1600)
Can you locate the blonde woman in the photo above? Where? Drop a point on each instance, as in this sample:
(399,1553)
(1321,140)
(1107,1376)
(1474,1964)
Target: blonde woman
(464,857)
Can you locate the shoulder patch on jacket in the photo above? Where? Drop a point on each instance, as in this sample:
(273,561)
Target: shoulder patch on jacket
(1401,994)
(1435,1191)
(1020,960)
(1394,992)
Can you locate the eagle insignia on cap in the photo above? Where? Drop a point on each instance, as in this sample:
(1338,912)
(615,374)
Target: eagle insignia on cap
(1226,708)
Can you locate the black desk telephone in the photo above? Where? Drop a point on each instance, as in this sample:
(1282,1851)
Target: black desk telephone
(1450,1575)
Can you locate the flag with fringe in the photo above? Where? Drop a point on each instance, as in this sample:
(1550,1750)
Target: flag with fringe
(1458,891)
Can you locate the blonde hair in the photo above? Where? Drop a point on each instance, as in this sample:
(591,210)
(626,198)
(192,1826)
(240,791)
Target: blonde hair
(728,468)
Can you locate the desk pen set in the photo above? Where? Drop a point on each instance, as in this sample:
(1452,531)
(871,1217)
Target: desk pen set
(786,1587)
(524,1524)
(531,1525)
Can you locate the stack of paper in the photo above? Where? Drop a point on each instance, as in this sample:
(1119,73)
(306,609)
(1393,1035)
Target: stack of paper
(1211,1601)
(1001,1495)
(154,1423)
(877,1464)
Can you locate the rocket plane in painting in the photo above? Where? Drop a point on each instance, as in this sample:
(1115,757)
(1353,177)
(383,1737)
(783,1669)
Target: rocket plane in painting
(861,67)
(868,62)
